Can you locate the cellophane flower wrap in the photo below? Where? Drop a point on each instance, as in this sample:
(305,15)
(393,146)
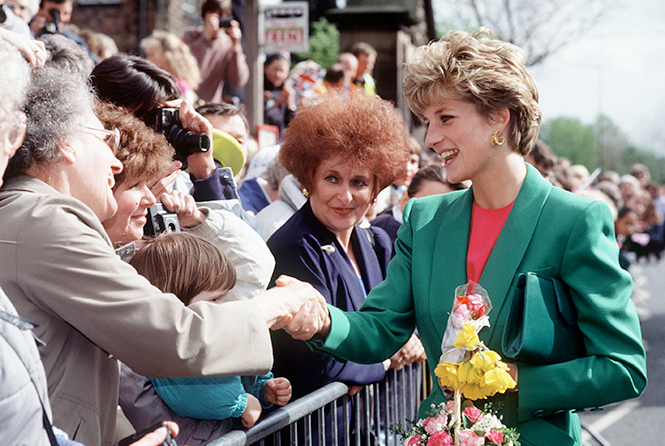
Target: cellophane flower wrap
(470,307)
(466,364)
(470,370)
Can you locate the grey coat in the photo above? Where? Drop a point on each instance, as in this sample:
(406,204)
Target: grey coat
(22,382)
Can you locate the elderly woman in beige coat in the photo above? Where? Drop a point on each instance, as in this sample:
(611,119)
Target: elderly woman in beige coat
(61,272)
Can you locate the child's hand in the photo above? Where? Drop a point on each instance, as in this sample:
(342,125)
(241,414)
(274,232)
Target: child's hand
(252,412)
(277,391)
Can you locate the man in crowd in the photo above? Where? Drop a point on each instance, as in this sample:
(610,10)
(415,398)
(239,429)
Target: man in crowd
(217,48)
(52,17)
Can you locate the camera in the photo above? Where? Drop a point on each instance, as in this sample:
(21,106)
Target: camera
(225,22)
(160,220)
(137,436)
(51,27)
(167,121)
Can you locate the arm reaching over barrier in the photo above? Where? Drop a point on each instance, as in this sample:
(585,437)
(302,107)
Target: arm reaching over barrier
(294,306)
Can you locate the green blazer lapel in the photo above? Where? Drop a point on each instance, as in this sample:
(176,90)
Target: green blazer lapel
(448,270)
(512,244)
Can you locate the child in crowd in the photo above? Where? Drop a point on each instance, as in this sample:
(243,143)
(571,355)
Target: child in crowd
(196,270)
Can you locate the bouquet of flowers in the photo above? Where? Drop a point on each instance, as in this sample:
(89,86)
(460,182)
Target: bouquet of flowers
(477,428)
(472,371)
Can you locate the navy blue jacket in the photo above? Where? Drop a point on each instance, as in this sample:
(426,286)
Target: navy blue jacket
(305,249)
(386,221)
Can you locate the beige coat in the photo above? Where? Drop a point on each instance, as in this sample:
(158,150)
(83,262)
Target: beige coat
(59,270)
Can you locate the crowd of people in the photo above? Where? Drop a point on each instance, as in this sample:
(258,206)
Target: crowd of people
(332,256)
(636,202)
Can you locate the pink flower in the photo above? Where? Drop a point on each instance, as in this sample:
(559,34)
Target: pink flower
(473,413)
(476,305)
(467,437)
(412,441)
(440,439)
(435,424)
(462,312)
(495,437)
(450,406)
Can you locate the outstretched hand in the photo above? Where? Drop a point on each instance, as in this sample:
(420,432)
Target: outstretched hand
(294,306)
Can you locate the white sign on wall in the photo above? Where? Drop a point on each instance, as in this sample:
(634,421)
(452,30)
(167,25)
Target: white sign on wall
(286,27)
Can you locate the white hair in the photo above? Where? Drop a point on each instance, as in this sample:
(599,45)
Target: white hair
(14,77)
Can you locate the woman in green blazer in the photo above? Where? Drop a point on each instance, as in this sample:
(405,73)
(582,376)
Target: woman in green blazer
(480,106)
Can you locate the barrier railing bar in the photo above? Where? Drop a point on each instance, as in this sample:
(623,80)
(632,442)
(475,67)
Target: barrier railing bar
(376,408)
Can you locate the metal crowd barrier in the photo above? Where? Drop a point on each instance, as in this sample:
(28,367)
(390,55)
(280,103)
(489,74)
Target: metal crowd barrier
(377,408)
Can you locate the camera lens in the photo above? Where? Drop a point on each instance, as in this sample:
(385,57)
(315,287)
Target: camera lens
(186,142)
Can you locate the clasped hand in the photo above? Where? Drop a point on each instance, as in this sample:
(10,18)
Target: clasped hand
(295,306)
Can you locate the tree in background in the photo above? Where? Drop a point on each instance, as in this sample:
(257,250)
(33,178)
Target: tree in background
(610,144)
(539,27)
(570,138)
(323,44)
(599,144)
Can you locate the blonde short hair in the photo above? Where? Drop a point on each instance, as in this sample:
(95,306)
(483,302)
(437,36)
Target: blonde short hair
(490,74)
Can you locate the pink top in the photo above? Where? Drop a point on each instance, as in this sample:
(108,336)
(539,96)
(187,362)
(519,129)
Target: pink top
(486,225)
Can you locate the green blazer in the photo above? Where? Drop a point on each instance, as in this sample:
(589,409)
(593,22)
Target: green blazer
(550,232)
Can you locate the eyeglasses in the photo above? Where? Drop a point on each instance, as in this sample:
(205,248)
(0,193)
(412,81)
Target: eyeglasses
(110,137)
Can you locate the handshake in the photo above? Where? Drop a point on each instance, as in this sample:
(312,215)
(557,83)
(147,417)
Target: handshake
(296,307)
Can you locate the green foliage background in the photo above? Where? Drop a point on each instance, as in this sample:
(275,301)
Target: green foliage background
(323,44)
(599,144)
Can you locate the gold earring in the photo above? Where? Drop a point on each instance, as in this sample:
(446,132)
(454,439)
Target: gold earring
(497,138)
(305,192)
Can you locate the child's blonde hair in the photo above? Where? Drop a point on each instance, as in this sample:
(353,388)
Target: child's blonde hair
(185,265)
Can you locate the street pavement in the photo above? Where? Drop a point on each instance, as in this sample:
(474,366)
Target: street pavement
(639,421)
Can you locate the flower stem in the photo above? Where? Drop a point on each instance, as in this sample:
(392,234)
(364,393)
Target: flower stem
(457,413)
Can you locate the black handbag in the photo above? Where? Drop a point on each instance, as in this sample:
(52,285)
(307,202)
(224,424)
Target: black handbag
(542,323)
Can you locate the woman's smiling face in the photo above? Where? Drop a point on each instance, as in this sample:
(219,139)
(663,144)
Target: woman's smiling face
(461,137)
(134,198)
(342,194)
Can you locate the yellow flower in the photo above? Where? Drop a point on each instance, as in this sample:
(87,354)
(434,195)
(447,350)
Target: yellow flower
(447,374)
(485,360)
(468,373)
(498,380)
(473,391)
(467,337)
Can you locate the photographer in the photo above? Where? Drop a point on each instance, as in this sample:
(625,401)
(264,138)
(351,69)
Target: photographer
(142,87)
(52,17)
(217,48)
